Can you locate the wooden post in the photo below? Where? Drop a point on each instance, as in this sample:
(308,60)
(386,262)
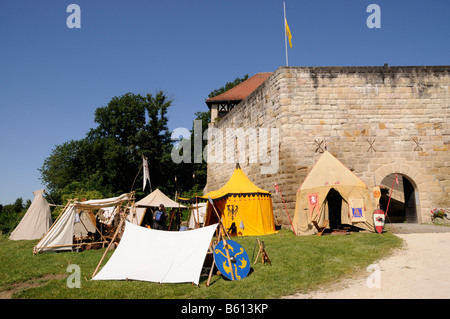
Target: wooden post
(222,231)
(122,220)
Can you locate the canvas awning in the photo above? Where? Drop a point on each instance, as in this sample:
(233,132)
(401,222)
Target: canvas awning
(100,203)
(158,256)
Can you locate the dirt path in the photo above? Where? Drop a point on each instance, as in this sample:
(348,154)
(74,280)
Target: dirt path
(35,282)
(420,270)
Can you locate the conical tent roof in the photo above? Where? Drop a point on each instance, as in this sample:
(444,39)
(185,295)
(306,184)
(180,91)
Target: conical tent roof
(242,203)
(330,171)
(156,198)
(36,221)
(238,183)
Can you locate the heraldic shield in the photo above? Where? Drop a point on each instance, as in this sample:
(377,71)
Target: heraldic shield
(240,263)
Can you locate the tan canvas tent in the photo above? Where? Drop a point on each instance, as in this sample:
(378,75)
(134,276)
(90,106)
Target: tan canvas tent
(36,221)
(61,235)
(334,193)
(156,198)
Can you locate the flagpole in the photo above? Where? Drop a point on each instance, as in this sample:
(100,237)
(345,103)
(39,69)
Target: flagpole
(285,35)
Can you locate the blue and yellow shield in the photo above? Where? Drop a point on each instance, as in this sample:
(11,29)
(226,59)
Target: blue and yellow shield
(240,263)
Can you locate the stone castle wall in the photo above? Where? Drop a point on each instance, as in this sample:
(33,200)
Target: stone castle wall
(375,120)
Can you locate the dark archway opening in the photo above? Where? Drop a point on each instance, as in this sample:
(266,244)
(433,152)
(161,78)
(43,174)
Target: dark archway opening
(334,200)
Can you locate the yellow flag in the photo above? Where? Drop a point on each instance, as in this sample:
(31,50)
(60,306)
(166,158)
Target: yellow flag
(288,33)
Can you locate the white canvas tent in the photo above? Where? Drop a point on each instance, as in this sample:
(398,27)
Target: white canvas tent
(197,215)
(36,221)
(156,198)
(60,235)
(158,256)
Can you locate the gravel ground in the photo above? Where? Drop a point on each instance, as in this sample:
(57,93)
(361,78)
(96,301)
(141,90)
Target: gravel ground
(419,270)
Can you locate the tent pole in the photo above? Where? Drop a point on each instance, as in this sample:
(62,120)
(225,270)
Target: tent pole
(221,232)
(70,245)
(210,273)
(132,186)
(276,187)
(122,220)
(109,246)
(389,201)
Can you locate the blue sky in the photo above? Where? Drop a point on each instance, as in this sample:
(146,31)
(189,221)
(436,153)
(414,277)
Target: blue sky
(52,78)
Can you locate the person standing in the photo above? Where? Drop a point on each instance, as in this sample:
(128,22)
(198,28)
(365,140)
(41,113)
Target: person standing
(159,218)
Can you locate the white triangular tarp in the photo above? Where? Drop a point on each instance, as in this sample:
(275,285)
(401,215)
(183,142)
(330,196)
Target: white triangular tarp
(158,256)
(36,221)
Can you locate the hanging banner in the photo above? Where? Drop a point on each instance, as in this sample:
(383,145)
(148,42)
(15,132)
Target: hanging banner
(313,200)
(376,194)
(356,206)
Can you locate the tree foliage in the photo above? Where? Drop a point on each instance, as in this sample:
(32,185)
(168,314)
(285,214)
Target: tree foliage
(192,177)
(11,214)
(106,161)
(228,86)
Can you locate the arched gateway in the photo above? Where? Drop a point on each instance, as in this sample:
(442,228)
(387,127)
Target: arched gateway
(399,182)
(378,121)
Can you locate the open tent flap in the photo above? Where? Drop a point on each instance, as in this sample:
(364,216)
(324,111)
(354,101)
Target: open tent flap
(60,235)
(197,215)
(312,201)
(84,224)
(136,215)
(158,256)
(252,215)
(356,209)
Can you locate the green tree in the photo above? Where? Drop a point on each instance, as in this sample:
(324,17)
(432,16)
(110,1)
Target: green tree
(108,158)
(11,214)
(228,86)
(192,177)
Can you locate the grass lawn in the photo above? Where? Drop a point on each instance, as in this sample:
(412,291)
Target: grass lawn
(298,264)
